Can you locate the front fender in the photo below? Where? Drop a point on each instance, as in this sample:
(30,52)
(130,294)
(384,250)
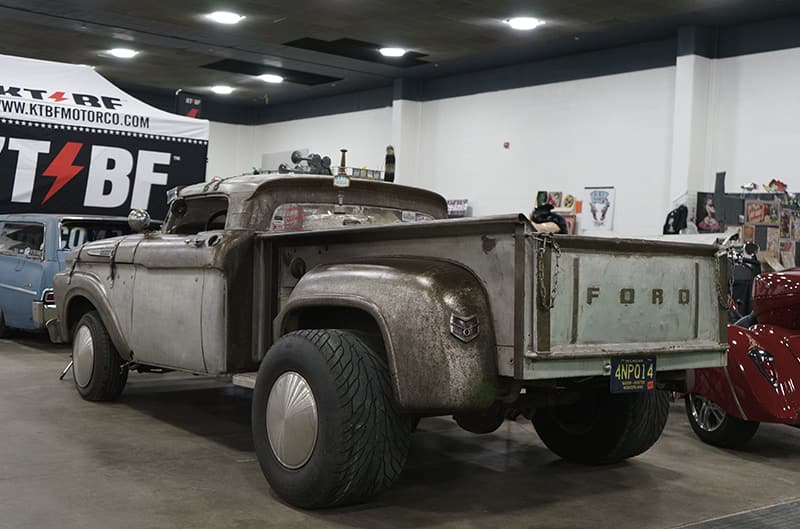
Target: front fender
(412,302)
(69,290)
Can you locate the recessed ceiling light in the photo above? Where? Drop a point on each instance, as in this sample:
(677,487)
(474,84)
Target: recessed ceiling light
(222,89)
(225,17)
(392,52)
(123,53)
(271,78)
(524,23)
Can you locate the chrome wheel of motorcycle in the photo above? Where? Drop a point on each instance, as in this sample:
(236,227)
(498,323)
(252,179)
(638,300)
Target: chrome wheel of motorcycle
(292,420)
(707,415)
(83,356)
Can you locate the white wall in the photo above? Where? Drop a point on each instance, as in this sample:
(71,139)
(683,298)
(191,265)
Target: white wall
(231,150)
(755,123)
(235,149)
(653,134)
(613,130)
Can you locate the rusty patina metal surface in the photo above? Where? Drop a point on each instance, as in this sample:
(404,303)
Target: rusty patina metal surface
(413,301)
(213,302)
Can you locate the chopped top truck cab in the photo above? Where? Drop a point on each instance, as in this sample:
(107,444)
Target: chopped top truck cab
(354,311)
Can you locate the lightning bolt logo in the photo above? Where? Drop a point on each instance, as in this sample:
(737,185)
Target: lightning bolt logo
(58,97)
(62,168)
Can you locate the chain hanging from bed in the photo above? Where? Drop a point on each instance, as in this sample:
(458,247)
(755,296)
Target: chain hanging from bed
(547,300)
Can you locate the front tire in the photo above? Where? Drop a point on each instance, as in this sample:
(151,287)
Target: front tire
(326,428)
(715,427)
(604,428)
(96,365)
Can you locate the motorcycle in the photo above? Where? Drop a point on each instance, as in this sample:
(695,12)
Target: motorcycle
(761,382)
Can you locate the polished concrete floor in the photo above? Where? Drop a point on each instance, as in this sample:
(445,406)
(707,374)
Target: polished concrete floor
(175,452)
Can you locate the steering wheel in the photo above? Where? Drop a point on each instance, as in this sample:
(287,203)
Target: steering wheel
(213,217)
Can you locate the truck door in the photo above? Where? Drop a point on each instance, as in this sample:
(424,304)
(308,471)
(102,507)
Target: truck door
(178,296)
(21,269)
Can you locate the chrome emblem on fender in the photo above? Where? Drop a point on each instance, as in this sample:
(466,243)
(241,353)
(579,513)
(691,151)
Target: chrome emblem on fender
(465,328)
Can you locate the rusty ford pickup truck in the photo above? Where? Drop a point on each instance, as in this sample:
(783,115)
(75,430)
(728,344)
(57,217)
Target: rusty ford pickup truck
(354,311)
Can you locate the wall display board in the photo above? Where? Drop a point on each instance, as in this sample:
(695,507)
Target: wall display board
(598,209)
(72,142)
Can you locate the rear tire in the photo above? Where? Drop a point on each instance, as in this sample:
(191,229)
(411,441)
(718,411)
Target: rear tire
(604,428)
(715,427)
(97,367)
(326,428)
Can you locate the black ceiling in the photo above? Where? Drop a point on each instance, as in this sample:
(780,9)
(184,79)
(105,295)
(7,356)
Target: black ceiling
(311,41)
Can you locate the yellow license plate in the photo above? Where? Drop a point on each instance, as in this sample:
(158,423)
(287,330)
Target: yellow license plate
(633,375)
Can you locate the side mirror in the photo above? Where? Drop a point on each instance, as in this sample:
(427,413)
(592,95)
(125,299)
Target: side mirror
(139,220)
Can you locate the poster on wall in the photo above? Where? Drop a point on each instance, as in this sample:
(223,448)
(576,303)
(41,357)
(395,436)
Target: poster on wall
(761,212)
(541,198)
(72,142)
(571,223)
(598,209)
(707,221)
(795,228)
(773,241)
(787,253)
(786,223)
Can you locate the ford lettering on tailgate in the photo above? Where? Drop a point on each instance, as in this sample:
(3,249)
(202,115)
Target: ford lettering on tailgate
(618,299)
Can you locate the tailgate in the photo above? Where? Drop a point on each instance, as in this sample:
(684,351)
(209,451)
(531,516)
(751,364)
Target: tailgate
(597,298)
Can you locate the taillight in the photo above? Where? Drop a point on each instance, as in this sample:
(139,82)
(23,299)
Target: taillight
(49,297)
(765,363)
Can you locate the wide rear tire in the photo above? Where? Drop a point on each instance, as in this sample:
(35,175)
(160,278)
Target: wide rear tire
(97,367)
(326,428)
(602,428)
(715,427)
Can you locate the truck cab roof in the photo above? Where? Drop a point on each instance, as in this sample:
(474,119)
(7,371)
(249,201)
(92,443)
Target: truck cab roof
(252,199)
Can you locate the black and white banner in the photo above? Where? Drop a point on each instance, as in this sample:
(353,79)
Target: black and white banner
(72,142)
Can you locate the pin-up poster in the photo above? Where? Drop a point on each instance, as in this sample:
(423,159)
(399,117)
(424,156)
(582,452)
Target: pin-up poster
(598,209)
(707,221)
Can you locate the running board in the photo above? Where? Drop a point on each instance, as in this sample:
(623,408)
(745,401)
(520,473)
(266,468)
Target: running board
(245,380)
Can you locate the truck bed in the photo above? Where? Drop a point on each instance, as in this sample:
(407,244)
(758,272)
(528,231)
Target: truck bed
(561,306)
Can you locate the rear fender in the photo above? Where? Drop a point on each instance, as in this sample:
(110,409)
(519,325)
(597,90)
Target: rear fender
(744,389)
(411,302)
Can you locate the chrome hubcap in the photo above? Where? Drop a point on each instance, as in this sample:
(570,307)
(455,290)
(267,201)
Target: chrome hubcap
(83,356)
(292,420)
(706,414)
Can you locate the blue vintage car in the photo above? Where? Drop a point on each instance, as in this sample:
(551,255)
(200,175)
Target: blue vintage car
(33,248)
